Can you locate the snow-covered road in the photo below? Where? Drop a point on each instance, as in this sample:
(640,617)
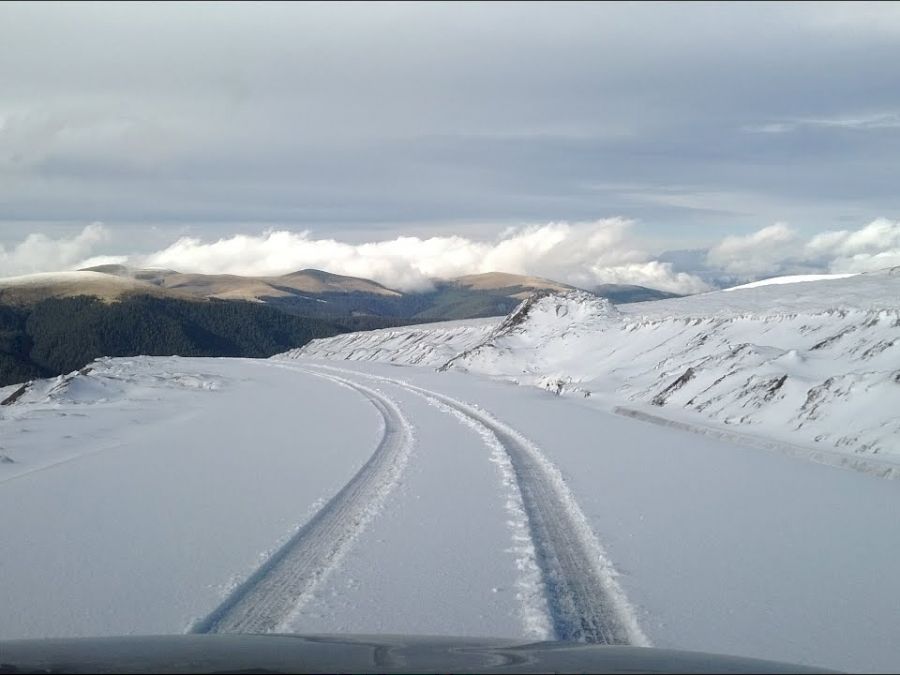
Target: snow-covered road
(584,602)
(268,597)
(167,495)
(163,495)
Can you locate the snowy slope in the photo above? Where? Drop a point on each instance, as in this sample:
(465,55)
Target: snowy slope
(812,363)
(431,344)
(539,333)
(790,279)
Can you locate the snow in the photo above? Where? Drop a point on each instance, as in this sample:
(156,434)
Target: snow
(265,600)
(354,486)
(422,345)
(872,291)
(436,563)
(811,365)
(134,508)
(790,279)
(717,547)
(167,484)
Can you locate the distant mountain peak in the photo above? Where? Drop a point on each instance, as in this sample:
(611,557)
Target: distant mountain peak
(495,281)
(30,288)
(321,274)
(625,293)
(313,280)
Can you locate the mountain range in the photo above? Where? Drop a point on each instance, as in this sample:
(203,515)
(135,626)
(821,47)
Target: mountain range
(310,292)
(57,322)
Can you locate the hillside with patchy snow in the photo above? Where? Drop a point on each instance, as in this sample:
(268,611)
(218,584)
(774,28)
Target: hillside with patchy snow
(814,363)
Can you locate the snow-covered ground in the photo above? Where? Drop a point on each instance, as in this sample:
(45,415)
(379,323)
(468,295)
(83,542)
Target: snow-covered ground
(157,495)
(139,492)
(309,494)
(791,279)
(715,547)
(427,344)
(811,366)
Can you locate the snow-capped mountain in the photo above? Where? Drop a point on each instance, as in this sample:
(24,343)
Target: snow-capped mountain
(814,363)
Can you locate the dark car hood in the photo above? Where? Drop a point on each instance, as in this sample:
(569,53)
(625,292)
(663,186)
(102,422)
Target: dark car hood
(360,653)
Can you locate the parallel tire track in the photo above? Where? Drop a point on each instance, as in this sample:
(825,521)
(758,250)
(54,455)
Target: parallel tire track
(269,596)
(585,600)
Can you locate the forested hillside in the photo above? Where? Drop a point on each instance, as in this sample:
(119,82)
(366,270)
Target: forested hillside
(59,335)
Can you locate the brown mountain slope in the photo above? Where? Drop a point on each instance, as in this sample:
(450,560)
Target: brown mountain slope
(31,288)
(498,281)
(234,287)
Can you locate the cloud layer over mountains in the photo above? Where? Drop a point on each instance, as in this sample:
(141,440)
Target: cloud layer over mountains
(583,254)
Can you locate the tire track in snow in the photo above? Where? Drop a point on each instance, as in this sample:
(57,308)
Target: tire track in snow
(534,608)
(268,598)
(586,602)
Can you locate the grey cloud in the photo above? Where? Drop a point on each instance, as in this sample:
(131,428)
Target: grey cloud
(864,122)
(336,116)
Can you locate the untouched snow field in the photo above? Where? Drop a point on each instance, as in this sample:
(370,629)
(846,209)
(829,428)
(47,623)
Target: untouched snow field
(355,494)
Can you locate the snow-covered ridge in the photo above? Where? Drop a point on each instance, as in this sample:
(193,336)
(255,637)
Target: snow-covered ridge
(542,320)
(791,279)
(814,363)
(871,291)
(430,344)
(556,313)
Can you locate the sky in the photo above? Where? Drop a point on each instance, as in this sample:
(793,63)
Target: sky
(682,146)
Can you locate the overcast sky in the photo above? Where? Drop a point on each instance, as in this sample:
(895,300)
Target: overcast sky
(402,140)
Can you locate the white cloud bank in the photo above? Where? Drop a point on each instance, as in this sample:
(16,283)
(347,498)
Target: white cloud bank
(583,254)
(778,249)
(875,246)
(760,252)
(39,253)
